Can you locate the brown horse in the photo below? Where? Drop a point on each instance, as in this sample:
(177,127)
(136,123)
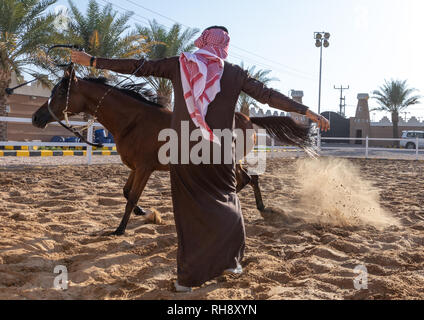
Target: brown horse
(135,123)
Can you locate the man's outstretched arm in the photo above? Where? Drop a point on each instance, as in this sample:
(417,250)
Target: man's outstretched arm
(277,100)
(163,68)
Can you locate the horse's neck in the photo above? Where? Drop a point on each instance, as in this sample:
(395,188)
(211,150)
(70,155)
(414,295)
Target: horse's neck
(111,111)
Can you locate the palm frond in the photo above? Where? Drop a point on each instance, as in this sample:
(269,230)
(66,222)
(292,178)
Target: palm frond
(165,43)
(394,96)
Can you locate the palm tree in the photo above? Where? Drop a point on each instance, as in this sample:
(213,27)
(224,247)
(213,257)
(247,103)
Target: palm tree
(245,102)
(101,32)
(104,33)
(25,30)
(395,96)
(168,43)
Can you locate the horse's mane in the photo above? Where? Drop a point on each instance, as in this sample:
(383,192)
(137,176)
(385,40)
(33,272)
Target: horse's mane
(136,90)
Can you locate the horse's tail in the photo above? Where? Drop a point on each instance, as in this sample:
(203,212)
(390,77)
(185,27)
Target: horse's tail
(285,129)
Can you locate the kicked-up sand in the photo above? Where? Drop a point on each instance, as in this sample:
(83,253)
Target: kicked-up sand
(324,218)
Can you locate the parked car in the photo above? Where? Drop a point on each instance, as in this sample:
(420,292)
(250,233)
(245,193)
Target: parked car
(101,137)
(72,139)
(409,139)
(57,139)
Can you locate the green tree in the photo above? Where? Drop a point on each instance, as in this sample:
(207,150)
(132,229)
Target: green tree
(25,31)
(245,101)
(167,43)
(104,33)
(394,97)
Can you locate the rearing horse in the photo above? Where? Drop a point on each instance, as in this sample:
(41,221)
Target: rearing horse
(135,123)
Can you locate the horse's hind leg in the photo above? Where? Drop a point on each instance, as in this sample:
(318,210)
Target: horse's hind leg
(243,179)
(141,176)
(138,211)
(254,182)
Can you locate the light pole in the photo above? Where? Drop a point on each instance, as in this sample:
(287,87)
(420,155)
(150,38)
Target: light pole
(321,40)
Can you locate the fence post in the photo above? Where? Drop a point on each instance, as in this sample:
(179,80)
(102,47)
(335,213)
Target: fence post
(319,140)
(366,148)
(418,148)
(89,148)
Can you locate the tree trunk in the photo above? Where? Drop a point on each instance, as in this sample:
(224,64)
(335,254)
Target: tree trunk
(395,122)
(245,109)
(164,93)
(5,79)
(165,101)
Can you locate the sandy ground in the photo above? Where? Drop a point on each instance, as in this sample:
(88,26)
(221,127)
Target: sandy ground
(19,162)
(323,219)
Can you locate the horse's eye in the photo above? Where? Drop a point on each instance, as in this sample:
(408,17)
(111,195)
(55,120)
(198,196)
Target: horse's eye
(62,91)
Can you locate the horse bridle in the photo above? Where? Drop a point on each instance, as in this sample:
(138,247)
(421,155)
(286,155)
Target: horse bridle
(91,121)
(67,126)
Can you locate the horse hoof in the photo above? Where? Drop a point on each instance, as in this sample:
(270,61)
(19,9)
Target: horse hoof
(118,233)
(138,211)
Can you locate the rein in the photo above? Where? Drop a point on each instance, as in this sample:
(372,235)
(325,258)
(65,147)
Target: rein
(9,91)
(67,126)
(91,121)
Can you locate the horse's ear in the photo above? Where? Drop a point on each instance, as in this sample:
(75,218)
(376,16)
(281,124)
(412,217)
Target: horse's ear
(70,73)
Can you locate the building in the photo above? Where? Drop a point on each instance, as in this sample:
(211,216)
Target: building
(22,104)
(362,127)
(297,96)
(339,127)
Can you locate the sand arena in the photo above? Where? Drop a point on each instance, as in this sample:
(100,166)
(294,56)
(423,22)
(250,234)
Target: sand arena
(324,218)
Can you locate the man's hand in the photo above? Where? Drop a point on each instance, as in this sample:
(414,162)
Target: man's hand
(322,122)
(81,58)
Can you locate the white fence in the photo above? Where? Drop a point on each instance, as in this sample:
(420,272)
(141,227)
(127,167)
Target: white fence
(55,144)
(366,149)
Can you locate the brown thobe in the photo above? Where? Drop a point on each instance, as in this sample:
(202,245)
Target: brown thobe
(207,211)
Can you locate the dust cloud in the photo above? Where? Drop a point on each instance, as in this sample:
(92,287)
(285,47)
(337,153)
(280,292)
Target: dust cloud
(332,191)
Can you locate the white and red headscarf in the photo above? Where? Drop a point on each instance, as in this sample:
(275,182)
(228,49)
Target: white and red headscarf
(201,74)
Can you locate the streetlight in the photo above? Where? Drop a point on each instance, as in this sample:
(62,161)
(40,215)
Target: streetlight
(321,40)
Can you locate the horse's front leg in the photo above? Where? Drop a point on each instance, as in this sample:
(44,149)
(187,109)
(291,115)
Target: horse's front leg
(139,181)
(138,211)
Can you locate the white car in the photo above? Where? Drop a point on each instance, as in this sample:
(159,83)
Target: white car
(410,139)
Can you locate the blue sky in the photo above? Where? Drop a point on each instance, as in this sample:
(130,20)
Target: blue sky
(370,41)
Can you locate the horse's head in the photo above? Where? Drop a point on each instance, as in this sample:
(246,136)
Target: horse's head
(57,101)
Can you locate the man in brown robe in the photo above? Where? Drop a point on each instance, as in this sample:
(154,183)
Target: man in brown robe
(207,211)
